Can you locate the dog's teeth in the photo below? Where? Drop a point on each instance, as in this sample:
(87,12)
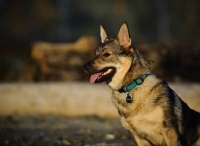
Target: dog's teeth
(104,73)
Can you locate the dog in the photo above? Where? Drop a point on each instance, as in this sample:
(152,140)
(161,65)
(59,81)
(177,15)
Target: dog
(149,109)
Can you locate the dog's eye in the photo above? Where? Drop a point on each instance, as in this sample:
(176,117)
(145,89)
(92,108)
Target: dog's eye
(106,54)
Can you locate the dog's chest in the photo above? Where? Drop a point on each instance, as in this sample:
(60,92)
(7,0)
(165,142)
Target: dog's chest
(125,108)
(146,127)
(139,118)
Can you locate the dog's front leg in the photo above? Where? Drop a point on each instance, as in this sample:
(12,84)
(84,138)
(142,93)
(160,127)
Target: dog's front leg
(140,142)
(137,140)
(171,137)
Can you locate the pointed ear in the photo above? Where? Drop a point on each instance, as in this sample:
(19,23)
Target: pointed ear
(123,36)
(103,34)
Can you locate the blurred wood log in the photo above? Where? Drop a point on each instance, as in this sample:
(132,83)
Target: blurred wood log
(63,61)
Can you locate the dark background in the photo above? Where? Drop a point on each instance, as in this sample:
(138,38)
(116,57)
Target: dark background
(23,22)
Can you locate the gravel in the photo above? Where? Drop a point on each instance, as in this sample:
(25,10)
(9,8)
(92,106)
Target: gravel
(51,130)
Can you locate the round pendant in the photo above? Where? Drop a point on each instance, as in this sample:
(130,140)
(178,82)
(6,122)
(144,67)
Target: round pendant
(129,98)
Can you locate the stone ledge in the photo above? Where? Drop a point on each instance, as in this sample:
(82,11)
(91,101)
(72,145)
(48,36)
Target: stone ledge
(73,99)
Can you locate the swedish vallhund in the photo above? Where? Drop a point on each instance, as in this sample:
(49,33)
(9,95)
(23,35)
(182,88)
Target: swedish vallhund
(149,109)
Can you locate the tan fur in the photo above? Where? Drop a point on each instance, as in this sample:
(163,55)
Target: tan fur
(122,69)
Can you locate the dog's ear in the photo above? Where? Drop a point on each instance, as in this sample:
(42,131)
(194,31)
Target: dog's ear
(103,34)
(123,36)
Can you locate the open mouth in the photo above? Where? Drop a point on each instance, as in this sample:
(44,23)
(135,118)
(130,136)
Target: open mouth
(102,75)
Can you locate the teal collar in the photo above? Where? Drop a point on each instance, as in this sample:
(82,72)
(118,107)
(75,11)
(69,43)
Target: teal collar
(137,81)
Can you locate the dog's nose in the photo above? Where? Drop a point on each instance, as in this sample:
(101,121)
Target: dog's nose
(87,67)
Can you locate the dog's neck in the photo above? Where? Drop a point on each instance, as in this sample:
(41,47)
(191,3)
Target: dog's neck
(134,83)
(116,82)
(136,70)
(131,70)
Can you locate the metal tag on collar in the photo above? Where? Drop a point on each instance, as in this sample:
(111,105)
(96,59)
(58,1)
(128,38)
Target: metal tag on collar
(129,98)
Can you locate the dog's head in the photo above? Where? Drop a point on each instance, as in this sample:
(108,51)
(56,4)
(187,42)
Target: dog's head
(113,58)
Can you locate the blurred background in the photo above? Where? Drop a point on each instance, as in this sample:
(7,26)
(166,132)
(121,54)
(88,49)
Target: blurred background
(47,41)
(50,40)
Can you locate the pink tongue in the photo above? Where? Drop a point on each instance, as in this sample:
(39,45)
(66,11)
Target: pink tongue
(94,77)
